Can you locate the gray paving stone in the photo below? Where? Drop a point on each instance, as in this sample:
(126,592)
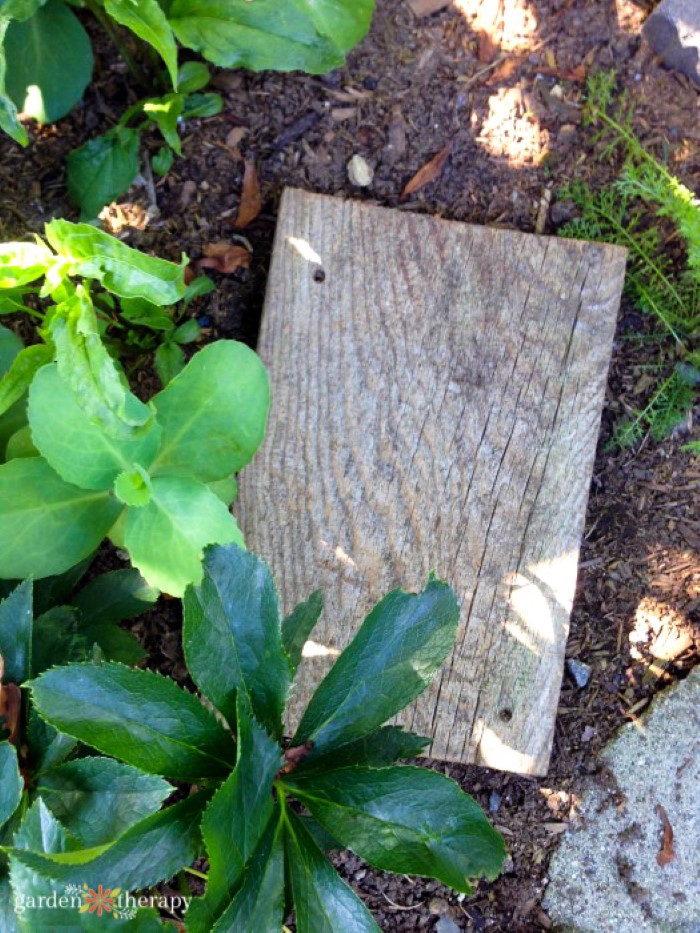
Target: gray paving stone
(673,32)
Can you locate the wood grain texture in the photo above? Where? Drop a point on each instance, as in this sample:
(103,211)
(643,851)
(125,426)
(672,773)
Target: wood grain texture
(437,390)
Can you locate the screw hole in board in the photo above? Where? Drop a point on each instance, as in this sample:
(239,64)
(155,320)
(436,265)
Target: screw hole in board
(319,276)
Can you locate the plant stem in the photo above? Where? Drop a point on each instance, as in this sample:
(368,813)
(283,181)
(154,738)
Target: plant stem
(105,21)
(184,884)
(197,874)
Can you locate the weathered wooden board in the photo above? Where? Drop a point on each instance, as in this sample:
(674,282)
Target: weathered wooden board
(437,390)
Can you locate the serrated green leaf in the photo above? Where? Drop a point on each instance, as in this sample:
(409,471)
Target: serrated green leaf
(8,917)
(235,820)
(22,263)
(124,271)
(400,646)
(55,639)
(193,76)
(169,361)
(16,621)
(12,783)
(97,799)
(18,377)
(304,35)
(77,448)
(405,820)
(137,717)
(213,414)
(102,169)
(233,617)
(49,62)
(46,747)
(165,112)
(298,625)
(166,538)
(259,903)
(47,525)
(378,749)
(147,20)
(323,902)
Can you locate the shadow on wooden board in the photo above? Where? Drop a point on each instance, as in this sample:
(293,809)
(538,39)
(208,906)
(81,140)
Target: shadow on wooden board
(437,390)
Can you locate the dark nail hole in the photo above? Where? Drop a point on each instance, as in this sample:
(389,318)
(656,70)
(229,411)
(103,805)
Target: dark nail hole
(319,276)
(506,715)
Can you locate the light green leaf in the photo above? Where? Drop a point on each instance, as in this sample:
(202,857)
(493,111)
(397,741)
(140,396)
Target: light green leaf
(16,620)
(12,783)
(234,617)
(298,625)
(18,377)
(162,161)
(136,716)
(304,35)
(76,447)
(187,332)
(225,489)
(235,820)
(400,646)
(124,271)
(406,820)
(165,112)
(193,76)
(323,902)
(213,414)
(133,487)
(169,361)
(47,525)
(147,20)
(49,62)
(22,263)
(97,799)
(146,314)
(102,169)
(21,444)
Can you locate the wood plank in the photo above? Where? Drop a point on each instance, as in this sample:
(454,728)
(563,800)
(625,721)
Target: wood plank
(437,390)
(422,8)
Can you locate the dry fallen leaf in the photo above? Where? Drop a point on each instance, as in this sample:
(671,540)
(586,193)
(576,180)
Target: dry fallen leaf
(667,852)
(251,199)
(429,172)
(235,136)
(224,257)
(487,46)
(10,710)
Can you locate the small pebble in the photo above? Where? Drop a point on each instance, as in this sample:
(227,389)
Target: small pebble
(494,801)
(360,172)
(446,925)
(579,671)
(587,734)
(438,905)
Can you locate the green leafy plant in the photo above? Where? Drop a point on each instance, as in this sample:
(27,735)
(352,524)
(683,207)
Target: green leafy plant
(625,214)
(273,806)
(46,64)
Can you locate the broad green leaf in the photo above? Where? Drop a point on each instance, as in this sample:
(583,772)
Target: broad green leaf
(18,377)
(304,35)
(378,749)
(233,616)
(22,263)
(235,820)
(78,449)
(97,799)
(20,9)
(146,314)
(391,660)
(166,538)
(202,105)
(147,20)
(165,112)
(113,597)
(9,121)
(136,716)
(16,634)
(55,639)
(102,169)
(162,161)
(49,62)
(193,76)
(47,525)
(169,361)
(8,917)
(90,372)
(10,346)
(12,783)
(298,625)
(259,903)
(124,271)
(406,820)
(323,902)
(214,413)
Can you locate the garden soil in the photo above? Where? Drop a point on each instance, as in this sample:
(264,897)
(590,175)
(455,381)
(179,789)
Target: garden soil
(502,83)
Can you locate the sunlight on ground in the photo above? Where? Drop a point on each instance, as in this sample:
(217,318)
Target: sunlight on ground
(305,249)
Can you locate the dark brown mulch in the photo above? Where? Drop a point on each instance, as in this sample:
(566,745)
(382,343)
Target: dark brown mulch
(516,135)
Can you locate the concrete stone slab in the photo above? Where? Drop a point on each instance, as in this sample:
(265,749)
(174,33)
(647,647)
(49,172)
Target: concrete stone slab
(673,32)
(606,874)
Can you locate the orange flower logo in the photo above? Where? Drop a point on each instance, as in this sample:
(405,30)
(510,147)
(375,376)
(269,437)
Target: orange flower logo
(101,901)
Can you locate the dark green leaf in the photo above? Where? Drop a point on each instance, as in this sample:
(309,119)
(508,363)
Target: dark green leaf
(299,624)
(234,616)
(187,332)
(380,748)
(148,21)
(235,820)
(259,903)
(114,642)
(11,421)
(12,782)
(391,660)
(10,346)
(102,169)
(323,902)
(202,105)
(46,747)
(136,716)
(97,799)
(169,361)
(113,597)
(322,838)
(47,525)
(9,121)
(57,591)
(198,287)
(21,444)
(49,62)
(55,639)
(18,377)
(16,634)
(165,113)
(405,820)
(162,161)
(193,76)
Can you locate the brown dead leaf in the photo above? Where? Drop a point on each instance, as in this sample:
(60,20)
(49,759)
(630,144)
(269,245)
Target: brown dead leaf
(667,853)
(504,71)
(429,172)
(10,709)
(224,257)
(293,756)
(235,136)
(251,199)
(487,46)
